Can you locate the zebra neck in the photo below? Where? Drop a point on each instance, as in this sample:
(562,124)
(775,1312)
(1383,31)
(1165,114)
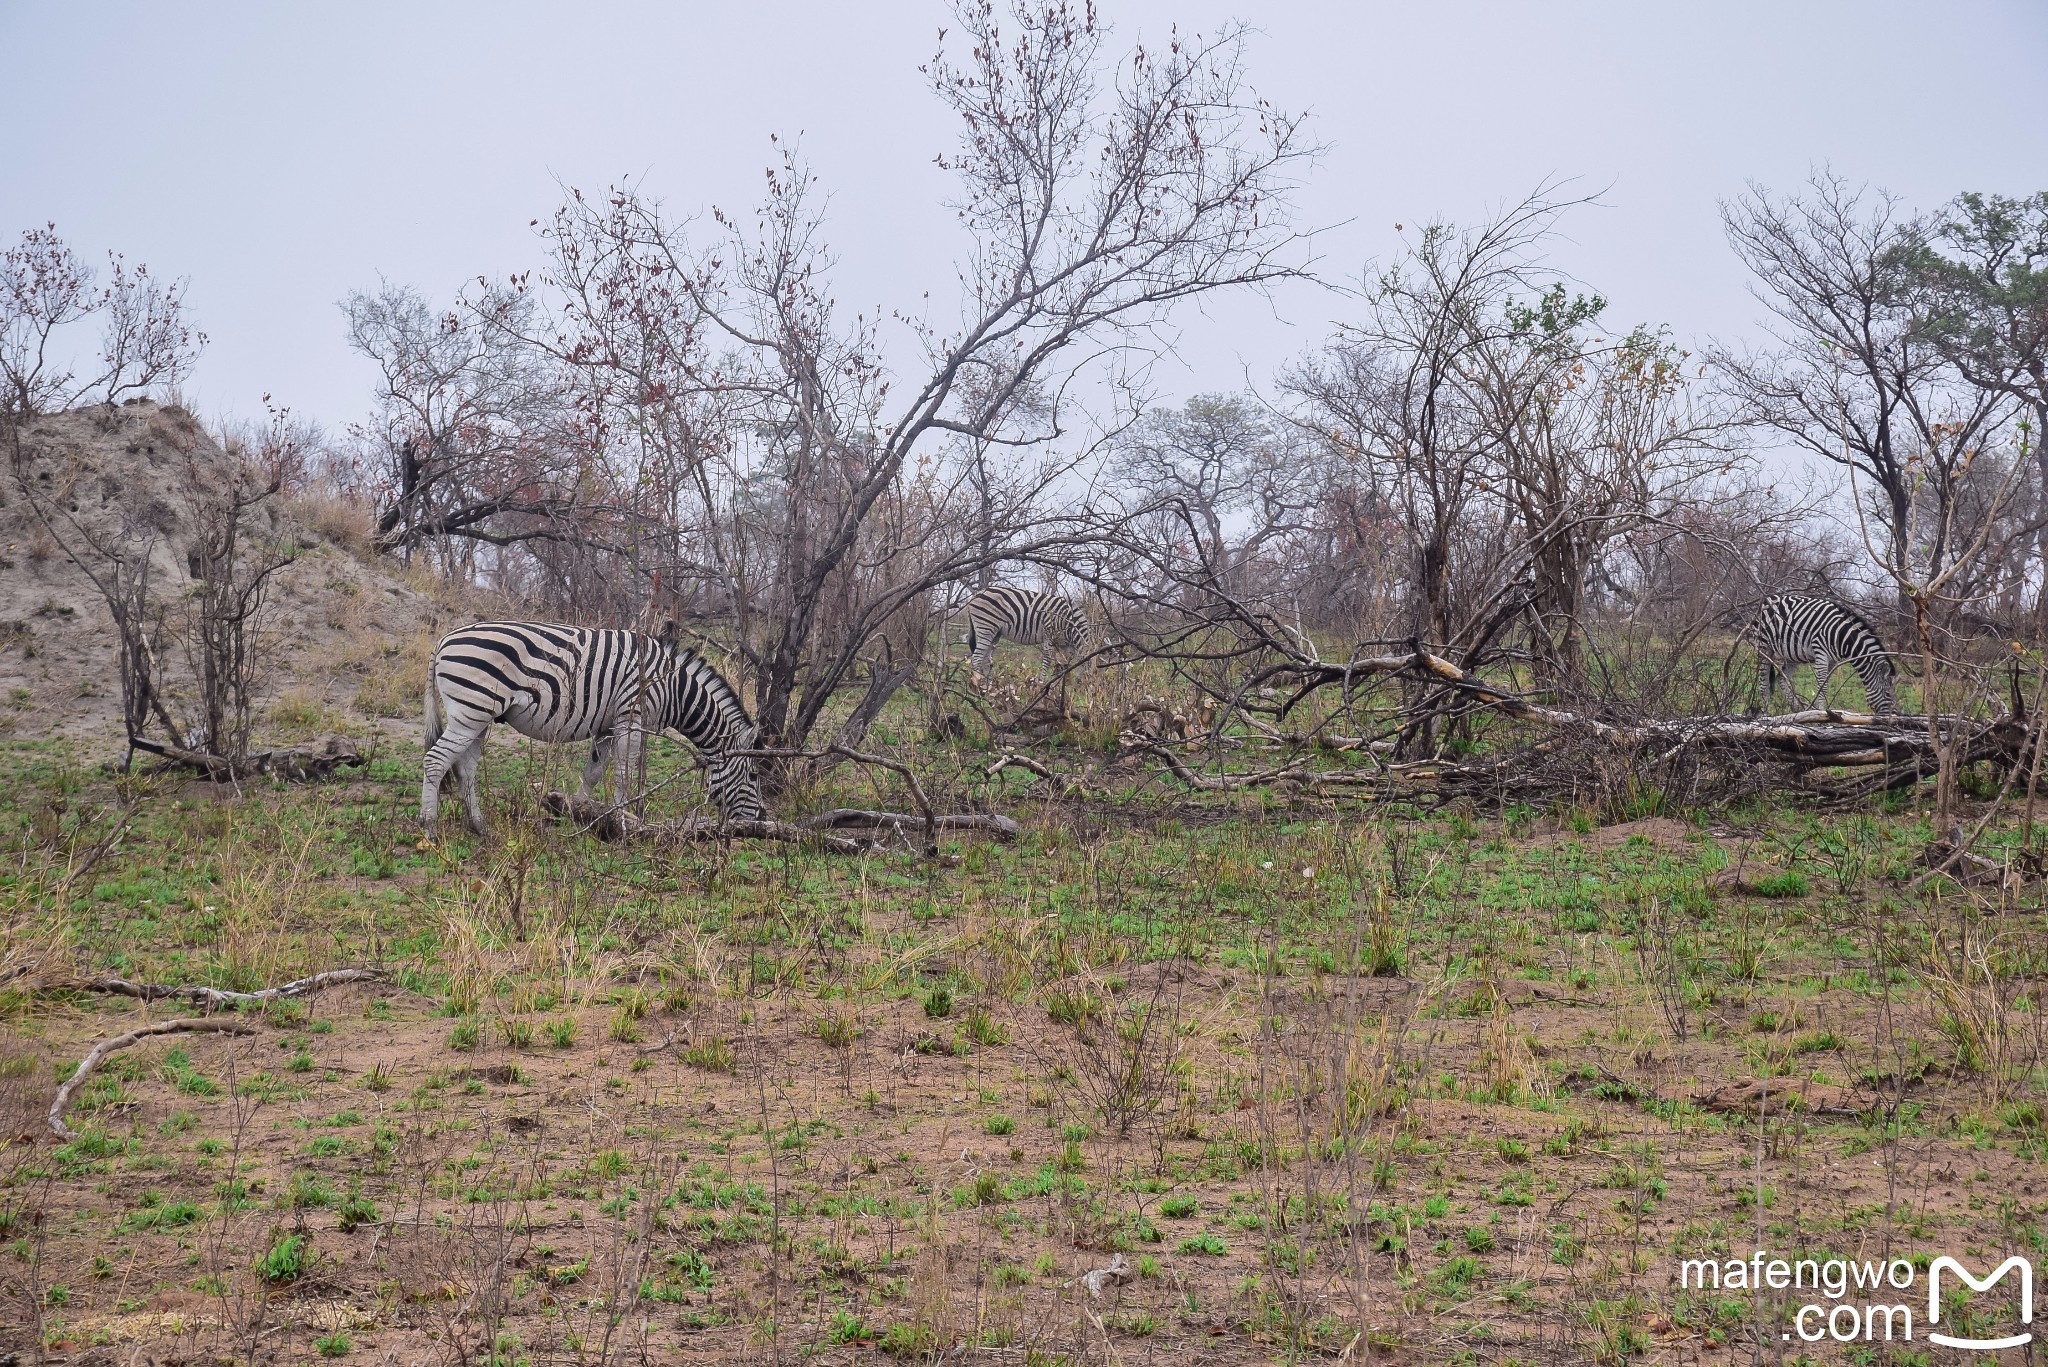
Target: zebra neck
(701,706)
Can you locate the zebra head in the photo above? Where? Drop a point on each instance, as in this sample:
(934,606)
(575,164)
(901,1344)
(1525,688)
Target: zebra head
(701,707)
(734,787)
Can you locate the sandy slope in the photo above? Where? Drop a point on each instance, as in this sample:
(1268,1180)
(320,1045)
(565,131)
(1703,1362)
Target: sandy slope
(343,636)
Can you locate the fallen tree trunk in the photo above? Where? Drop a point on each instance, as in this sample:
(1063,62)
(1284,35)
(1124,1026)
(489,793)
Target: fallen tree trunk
(612,823)
(213,998)
(300,765)
(1902,748)
(927,818)
(839,818)
(616,825)
(1223,783)
(1832,736)
(91,1061)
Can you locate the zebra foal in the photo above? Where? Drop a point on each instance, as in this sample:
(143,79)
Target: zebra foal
(1030,619)
(562,683)
(1793,628)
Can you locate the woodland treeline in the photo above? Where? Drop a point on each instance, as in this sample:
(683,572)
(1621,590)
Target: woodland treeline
(1480,465)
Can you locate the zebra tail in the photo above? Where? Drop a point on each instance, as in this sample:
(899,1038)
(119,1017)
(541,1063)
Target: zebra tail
(435,724)
(433,712)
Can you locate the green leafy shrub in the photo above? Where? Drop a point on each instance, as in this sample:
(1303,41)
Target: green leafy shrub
(1785,883)
(285,1262)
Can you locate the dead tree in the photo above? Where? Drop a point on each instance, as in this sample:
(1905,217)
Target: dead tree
(1575,744)
(1978,286)
(1511,441)
(476,440)
(232,566)
(822,487)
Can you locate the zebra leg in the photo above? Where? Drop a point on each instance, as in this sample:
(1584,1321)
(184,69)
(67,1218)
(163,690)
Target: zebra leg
(1764,684)
(599,761)
(629,743)
(983,659)
(1823,665)
(463,737)
(465,775)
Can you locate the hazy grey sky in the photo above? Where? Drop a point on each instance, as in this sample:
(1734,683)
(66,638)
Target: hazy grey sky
(280,155)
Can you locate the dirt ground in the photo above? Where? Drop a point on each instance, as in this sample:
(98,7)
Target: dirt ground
(911,1126)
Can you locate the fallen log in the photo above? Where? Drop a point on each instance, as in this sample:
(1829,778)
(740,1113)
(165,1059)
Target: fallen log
(1833,736)
(1135,742)
(927,818)
(62,1102)
(615,825)
(839,818)
(298,765)
(1780,1095)
(213,998)
(1880,752)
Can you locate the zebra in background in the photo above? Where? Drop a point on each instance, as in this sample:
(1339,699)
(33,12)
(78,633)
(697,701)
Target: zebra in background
(1793,628)
(1028,618)
(561,683)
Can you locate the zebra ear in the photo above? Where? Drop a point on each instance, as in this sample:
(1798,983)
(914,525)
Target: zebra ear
(667,634)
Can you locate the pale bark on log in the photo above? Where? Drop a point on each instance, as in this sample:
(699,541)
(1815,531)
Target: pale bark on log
(1027,764)
(300,765)
(611,823)
(100,1051)
(213,997)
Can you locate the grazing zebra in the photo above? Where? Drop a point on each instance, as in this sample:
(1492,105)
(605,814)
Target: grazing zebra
(1030,619)
(1796,627)
(560,683)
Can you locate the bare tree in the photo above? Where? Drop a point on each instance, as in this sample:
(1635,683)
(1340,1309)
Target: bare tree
(44,289)
(1518,451)
(475,439)
(1853,380)
(1860,380)
(233,563)
(1224,476)
(773,451)
(1595,438)
(120,563)
(1397,390)
(1980,296)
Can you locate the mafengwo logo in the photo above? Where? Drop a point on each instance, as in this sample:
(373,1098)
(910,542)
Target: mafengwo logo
(1853,1312)
(2013,1264)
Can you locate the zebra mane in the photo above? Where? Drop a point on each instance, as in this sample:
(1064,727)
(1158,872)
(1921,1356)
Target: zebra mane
(709,677)
(1850,611)
(1865,623)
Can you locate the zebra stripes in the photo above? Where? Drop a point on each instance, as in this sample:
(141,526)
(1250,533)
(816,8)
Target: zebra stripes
(1031,619)
(1793,628)
(561,683)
